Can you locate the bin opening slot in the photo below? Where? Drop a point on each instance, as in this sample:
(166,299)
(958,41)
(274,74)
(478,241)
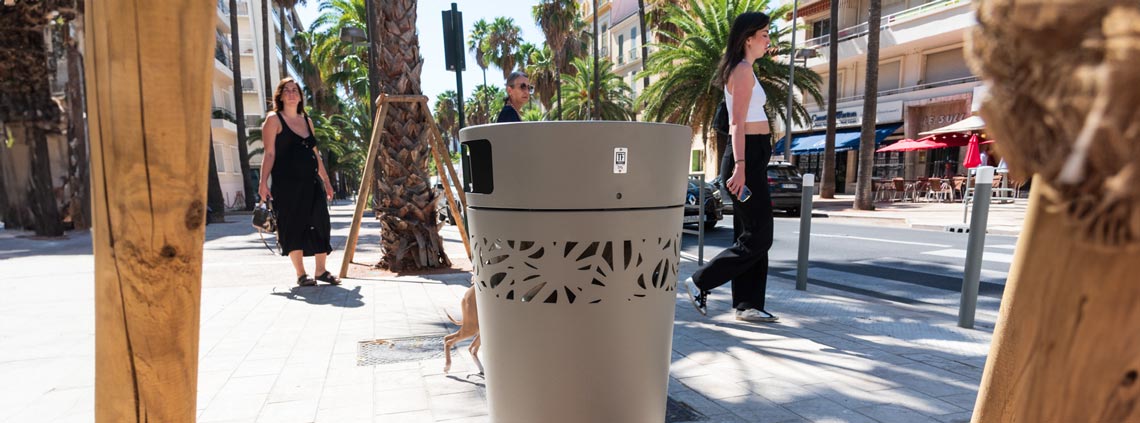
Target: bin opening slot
(478,170)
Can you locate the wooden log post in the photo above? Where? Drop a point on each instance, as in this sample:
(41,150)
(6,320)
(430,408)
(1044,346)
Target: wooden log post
(1064,106)
(148,95)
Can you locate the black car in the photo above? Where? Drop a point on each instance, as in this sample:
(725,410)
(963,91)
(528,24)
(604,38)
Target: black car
(785,185)
(713,206)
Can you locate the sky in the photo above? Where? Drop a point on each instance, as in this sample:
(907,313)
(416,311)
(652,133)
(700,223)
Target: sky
(429,22)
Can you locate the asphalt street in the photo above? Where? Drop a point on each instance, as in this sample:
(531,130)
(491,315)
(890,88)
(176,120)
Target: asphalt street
(909,266)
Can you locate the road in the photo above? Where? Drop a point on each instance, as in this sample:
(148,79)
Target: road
(909,266)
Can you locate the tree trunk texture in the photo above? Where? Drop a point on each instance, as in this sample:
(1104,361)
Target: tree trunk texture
(45,207)
(864,194)
(215,200)
(827,185)
(1064,104)
(267,49)
(148,93)
(80,172)
(405,202)
(248,185)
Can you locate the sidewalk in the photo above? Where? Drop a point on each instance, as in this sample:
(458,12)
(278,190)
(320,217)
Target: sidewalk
(273,352)
(1004,219)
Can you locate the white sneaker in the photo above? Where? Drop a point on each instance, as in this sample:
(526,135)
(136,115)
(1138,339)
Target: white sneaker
(755,316)
(698,297)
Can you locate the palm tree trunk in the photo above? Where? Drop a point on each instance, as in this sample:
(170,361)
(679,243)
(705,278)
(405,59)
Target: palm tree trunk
(284,47)
(215,200)
(644,39)
(266,49)
(558,89)
(827,186)
(863,193)
(48,221)
(80,209)
(597,109)
(248,186)
(409,232)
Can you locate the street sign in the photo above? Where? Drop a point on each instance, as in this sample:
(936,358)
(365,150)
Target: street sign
(453,39)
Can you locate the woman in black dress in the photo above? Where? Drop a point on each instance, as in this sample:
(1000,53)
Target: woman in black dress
(300,185)
(518,94)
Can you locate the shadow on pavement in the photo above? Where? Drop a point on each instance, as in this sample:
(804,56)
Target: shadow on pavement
(333,295)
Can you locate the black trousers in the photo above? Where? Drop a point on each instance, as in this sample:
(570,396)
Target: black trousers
(746,262)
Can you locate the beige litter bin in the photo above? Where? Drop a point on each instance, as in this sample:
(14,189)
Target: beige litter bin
(575,229)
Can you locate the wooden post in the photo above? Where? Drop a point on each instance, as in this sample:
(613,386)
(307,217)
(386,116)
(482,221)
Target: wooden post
(365,184)
(1063,108)
(148,95)
(437,149)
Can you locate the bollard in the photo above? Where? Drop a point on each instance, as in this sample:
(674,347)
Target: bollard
(701,221)
(976,246)
(805,231)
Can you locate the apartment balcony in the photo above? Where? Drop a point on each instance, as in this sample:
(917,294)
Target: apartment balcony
(246,47)
(223,119)
(911,93)
(243,8)
(941,22)
(248,86)
(223,15)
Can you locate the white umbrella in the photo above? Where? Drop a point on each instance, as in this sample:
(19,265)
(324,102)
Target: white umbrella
(972,123)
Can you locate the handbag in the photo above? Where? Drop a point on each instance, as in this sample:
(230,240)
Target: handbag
(720,120)
(264,217)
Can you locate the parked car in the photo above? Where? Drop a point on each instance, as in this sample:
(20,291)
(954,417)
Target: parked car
(785,186)
(713,206)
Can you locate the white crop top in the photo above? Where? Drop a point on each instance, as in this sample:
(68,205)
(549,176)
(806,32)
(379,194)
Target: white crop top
(755,104)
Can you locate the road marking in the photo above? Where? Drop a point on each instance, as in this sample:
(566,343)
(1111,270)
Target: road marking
(961,254)
(1004,247)
(925,244)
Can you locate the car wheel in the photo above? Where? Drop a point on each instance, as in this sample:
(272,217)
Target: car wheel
(710,225)
(794,212)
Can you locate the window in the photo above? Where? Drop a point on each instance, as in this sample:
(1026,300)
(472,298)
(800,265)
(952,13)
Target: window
(633,43)
(621,49)
(945,65)
(219,158)
(889,75)
(820,28)
(237,159)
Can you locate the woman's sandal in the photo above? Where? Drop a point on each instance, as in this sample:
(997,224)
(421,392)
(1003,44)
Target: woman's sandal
(305,280)
(328,278)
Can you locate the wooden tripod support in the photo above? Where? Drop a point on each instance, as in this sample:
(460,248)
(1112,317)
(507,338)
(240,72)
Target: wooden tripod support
(448,178)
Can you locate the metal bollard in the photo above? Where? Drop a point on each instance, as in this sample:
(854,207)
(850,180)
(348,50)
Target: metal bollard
(805,231)
(976,247)
(701,222)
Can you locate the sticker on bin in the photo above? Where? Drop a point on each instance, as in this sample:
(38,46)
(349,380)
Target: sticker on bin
(621,159)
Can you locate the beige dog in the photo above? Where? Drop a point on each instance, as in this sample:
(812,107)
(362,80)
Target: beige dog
(468,328)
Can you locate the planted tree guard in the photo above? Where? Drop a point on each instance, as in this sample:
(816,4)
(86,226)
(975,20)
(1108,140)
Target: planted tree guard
(148,95)
(1064,103)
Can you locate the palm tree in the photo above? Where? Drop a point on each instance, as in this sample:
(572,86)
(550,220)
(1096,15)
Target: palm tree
(248,186)
(483,105)
(340,64)
(405,203)
(863,193)
(541,70)
(613,101)
(827,185)
(556,18)
(447,116)
(503,44)
(686,67)
(265,29)
(524,56)
(477,43)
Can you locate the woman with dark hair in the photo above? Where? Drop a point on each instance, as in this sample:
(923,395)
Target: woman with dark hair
(745,161)
(300,185)
(518,94)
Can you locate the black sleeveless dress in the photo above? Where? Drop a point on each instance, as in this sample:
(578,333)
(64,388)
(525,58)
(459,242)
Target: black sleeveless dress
(299,195)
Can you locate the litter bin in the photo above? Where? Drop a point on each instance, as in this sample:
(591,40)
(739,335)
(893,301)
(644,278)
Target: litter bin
(575,229)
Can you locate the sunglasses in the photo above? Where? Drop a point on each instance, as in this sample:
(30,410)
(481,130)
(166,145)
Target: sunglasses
(528,88)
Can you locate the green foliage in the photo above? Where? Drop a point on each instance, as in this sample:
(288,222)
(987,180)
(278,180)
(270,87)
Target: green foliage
(686,65)
(614,94)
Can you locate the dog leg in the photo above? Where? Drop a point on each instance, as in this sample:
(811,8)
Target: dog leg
(474,350)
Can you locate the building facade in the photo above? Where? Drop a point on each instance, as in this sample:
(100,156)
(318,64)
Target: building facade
(255,99)
(924,83)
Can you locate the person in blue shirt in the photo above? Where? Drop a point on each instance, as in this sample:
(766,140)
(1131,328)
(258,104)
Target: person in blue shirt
(518,94)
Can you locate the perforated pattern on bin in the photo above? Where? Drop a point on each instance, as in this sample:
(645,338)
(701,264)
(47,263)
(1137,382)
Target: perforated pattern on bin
(575,272)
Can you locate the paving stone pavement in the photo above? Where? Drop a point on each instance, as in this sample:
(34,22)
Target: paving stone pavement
(273,352)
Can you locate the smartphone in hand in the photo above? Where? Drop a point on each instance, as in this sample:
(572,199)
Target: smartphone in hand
(745,194)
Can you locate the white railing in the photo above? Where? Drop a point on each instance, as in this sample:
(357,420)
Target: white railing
(911,88)
(246,47)
(862,29)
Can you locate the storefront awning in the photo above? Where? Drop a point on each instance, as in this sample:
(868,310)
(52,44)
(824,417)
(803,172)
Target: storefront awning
(845,139)
(970,124)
